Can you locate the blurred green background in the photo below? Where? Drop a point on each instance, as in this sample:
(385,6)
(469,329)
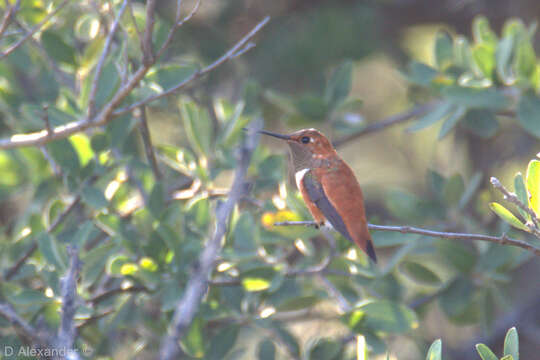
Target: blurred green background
(337,66)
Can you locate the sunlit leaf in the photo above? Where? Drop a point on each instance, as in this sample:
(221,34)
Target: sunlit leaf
(533,185)
(507,216)
(485,352)
(435,351)
(511,344)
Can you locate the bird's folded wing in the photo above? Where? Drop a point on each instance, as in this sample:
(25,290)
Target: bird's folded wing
(317,195)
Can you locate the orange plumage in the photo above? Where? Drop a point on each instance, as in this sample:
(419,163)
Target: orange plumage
(328,186)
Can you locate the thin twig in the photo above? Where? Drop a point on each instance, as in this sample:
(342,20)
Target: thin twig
(101,62)
(515,200)
(12,271)
(335,293)
(115,291)
(45,118)
(8,16)
(198,283)
(148,45)
(223,59)
(389,121)
(67,332)
(502,240)
(108,112)
(33,30)
(178,22)
(25,329)
(147,141)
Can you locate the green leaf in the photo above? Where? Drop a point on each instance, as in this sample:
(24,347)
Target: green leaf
(435,351)
(485,353)
(387,316)
(470,189)
(457,255)
(420,73)
(156,201)
(339,85)
(100,142)
(419,273)
(193,343)
(51,252)
(114,267)
(198,127)
(503,55)
(480,122)
(482,32)
(440,112)
(64,154)
(507,216)
(222,342)
(522,194)
(525,58)
(444,51)
(325,349)
(288,340)
(56,48)
(451,121)
(528,113)
(266,350)
(94,197)
(168,76)
(258,279)
(27,297)
(312,107)
(456,298)
(484,58)
(533,185)
(475,98)
(298,303)
(453,190)
(507,357)
(511,344)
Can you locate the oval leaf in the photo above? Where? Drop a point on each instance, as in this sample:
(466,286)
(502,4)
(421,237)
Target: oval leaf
(507,216)
(511,344)
(533,185)
(485,352)
(435,351)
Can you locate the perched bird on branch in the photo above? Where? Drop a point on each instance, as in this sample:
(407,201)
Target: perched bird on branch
(328,186)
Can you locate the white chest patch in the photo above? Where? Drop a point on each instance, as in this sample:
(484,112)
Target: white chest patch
(299,176)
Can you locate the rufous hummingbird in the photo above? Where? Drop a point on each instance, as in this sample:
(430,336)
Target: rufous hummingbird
(328,186)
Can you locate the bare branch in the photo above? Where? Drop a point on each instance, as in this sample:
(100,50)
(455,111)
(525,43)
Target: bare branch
(148,51)
(147,140)
(8,16)
(67,331)
(389,121)
(12,271)
(101,62)
(33,30)
(223,59)
(515,200)
(108,112)
(335,293)
(502,240)
(115,291)
(198,283)
(25,329)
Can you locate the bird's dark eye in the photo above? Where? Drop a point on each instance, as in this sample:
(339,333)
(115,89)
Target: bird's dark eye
(304,139)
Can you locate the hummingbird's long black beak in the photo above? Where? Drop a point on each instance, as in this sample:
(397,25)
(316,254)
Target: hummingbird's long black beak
(279,136)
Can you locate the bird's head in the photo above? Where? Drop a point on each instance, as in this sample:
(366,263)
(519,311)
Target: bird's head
(306,146)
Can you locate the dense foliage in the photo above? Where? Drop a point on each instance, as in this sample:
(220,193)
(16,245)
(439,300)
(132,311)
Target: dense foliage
(133,192)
